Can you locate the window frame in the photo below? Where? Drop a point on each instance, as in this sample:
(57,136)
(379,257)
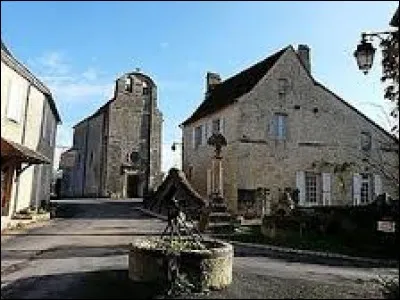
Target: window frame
(366,141)
(315,193)
(198,136)
(128,84)
(365,180)
(283,85)
(280,126)
(213,126)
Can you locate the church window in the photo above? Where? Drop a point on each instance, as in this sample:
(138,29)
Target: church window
(128,84)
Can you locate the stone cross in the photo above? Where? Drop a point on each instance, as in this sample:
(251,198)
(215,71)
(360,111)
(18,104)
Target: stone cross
(218,141)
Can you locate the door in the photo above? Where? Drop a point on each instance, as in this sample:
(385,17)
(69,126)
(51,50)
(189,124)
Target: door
(6,184)
(132,187)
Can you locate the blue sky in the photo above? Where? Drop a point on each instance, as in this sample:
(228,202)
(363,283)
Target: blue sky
(79,48)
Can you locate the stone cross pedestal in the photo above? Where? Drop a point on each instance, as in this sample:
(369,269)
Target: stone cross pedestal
(219,217)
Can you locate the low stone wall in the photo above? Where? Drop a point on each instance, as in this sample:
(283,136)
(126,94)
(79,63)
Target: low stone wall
(16,223)
(210,268)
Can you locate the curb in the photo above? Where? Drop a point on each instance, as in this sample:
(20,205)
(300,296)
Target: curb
(299,252)
(320,254)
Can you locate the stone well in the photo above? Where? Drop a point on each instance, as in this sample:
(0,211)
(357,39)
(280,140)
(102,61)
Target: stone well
(210,268)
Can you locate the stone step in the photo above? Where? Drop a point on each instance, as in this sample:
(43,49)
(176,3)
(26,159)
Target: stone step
(219,205)
(220,213)
(218,200)
(220,227)
(220,217)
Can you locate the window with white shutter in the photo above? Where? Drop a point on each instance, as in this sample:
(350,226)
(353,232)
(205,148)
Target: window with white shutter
(326,188)
(14,103)
(300,184)
(356,189)
(209,128)
(377,185)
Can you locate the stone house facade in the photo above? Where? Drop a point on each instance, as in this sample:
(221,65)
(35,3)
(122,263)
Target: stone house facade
(29,119)
(286,131)
(110,156)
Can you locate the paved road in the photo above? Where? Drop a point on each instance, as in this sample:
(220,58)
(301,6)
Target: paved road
(82,254)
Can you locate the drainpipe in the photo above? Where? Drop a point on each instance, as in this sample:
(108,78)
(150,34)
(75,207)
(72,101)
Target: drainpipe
(23,137)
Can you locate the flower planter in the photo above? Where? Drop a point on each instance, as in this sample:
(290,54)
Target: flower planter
(210,268)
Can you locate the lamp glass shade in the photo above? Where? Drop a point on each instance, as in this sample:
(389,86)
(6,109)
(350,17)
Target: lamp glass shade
(364,55)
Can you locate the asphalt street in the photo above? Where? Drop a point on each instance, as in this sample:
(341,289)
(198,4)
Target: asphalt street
(82,254)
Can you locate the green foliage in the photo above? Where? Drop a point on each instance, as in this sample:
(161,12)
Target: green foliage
(346,230)
(390,71)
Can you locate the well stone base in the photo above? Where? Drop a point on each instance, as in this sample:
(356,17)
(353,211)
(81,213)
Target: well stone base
(208,269)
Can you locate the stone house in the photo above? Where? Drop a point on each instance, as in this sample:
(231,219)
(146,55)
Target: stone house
(285,131)
(29,119)
(115,152)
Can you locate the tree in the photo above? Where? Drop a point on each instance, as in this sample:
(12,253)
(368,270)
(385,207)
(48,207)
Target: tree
(390,68)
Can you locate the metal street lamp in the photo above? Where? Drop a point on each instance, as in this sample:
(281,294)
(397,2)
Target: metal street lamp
(365,51)
(173,147)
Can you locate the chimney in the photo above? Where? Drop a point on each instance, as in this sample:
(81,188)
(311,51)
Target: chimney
(303,51)
(212,79)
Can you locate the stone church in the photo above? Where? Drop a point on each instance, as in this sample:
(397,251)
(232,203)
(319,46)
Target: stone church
(115,152)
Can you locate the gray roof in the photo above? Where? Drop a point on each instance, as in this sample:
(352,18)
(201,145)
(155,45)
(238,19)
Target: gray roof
(13,63)
(395,20)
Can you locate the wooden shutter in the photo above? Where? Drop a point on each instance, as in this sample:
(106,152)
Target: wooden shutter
(14,106)
(209,129)
(377,185)
(326,188)
(301,185)
(356,189)
(204,134)
(222,126)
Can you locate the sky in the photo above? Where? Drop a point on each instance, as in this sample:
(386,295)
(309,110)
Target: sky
(79,48)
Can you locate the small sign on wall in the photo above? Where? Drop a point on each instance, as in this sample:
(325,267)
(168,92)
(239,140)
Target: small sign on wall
(387,226)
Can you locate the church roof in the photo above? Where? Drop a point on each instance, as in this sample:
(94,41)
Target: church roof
(105,106)
(226,92)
